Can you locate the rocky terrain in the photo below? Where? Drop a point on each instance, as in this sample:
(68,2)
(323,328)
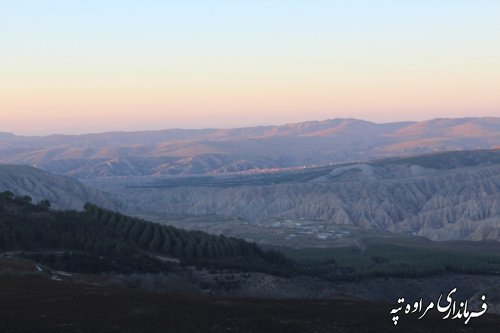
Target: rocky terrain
(440,196)
(221,151)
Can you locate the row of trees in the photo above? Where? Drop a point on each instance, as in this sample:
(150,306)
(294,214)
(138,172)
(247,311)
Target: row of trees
(119,238)
(168,240)
(380,260)
(22,200)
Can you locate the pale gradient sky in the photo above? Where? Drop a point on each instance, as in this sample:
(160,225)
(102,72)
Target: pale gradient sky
(72,66)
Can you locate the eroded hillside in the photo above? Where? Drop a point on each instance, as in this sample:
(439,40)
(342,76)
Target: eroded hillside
(440,196)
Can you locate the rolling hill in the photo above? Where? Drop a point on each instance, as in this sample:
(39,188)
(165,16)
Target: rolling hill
(62,192)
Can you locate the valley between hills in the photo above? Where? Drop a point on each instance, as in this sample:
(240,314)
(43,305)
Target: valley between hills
(301,211)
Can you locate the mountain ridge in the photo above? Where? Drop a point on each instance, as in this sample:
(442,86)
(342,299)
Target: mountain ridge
(181,152)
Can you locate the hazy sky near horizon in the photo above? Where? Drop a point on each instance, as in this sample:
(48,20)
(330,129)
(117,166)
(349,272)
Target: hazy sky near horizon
(73,66)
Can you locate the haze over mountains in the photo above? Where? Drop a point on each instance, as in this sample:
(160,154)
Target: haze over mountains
(271,173)
(217,151)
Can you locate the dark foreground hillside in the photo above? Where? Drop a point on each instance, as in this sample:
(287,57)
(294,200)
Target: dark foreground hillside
(59,272)
(37,304)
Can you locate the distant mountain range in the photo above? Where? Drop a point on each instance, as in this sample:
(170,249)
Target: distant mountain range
(219,151)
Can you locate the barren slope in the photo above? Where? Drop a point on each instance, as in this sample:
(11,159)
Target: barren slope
(62,192)
(440,196)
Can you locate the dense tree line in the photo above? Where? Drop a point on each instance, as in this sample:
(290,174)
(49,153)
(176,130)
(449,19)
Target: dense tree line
(98,240)
(29,227)
(385,260)
(168,240)
(84,262)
